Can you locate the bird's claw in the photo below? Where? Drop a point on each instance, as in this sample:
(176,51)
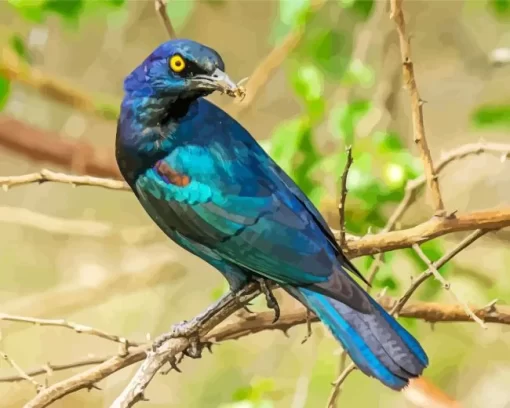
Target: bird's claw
(196,347)
(271,301)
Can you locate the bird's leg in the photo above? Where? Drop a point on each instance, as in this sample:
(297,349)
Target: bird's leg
(271,301)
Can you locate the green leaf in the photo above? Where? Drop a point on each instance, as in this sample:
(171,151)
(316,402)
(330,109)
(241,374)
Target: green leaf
(358,74)
(492,116)
(387,142)
(500,8)
(5,90)
(329,49)
(292,13)
(30,9)
(18,45)
(308,82)
(180,12)
(285,142)
(345,118)
(69,9)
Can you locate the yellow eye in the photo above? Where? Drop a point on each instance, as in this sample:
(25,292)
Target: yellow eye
(177,63)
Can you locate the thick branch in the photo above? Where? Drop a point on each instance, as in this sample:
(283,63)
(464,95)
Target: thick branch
(432,312)
(40,145)
(435,227)
(416,107)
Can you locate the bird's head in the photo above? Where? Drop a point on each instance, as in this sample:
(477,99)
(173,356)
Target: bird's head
(180,69)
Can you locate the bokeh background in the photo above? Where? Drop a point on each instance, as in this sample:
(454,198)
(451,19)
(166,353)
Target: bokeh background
(340,86)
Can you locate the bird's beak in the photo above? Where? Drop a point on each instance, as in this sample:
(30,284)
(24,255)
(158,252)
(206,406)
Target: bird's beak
(218,81)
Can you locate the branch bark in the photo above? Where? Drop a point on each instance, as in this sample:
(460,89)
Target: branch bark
(416,107)
(45,146)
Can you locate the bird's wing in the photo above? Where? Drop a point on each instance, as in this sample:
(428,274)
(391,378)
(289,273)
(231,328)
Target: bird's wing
(240,212)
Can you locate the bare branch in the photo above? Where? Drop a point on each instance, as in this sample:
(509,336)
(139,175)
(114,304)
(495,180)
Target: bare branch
(160,6)
(447,285)
(78,328)
(343,196)
(437,264)
(48,175)
(435,227)
(49,368)
(50,147)
(21,372)
(432,312)
(416,107)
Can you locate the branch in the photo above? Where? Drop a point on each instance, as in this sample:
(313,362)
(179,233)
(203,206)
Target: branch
(78,328)
(416,107)
(447,285)
(22,374)
(271,62)
(343,196)
(13,68)
(160,6)
(49,368)
(39,145)
(251,324)
(437,264)
(48,175)
(435,227)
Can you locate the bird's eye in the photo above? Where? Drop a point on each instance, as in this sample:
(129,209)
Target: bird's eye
(177,63)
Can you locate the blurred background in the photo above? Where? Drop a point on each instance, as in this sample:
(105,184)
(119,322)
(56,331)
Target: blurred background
(336,81)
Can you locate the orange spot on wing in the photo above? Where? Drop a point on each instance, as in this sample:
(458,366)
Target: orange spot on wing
(172,176)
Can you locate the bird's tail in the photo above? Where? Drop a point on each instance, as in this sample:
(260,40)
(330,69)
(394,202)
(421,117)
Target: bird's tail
(377,344)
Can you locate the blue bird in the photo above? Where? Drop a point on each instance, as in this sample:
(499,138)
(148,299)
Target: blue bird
(212,189)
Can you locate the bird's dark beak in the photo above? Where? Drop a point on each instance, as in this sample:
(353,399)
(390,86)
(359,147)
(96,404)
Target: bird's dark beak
(218,81)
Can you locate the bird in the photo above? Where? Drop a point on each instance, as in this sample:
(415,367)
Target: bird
(212,189)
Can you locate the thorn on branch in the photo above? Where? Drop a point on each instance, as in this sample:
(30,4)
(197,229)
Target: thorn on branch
(343,196)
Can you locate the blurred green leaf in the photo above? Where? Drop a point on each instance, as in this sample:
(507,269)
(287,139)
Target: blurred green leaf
(180,12)
(329,49)
(32,10)
(358,74)
(308,82)
(500,8)
(18,45)
(361,7)
(5,89)
(387,142)
(344,119)
(292,13)
(69,9)
(492,116)
(249,404)
(285,142)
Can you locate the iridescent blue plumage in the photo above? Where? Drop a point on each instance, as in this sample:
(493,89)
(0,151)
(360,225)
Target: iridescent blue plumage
(212,189)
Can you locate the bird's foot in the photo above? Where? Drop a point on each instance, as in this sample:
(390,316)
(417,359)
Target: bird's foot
(181,329)
(271,301)
(196,347)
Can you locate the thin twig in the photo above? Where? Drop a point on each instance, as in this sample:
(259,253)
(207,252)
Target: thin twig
(437,264)
(48,175)
(160,6)
(343,196)
(49,368)
(271,62)
(447,285)
(335,392)
(78,328)
(416,107)
(22,374)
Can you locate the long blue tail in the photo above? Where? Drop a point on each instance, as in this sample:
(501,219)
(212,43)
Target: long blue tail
(377,344)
